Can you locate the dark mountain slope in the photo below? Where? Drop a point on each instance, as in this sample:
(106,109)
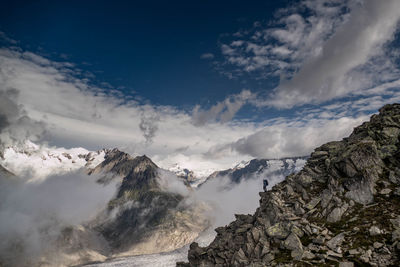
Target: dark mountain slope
(341,209)
(142,210)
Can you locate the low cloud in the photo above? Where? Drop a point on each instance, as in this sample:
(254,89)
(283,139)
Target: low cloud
(226,199)
(32,215)
(289,139)
(171,183)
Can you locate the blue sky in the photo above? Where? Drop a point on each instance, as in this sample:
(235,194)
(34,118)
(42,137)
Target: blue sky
(152,48)
(202,84)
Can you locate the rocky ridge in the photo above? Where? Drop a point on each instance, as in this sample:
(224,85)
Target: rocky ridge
(341,209)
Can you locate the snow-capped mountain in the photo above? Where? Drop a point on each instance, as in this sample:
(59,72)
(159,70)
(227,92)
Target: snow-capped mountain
(194,179)
(261,168)
(145,214)
(183,173)
(41,161)
(153,210)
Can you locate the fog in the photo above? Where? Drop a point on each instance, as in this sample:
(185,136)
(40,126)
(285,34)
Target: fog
(227,199)
(32,215)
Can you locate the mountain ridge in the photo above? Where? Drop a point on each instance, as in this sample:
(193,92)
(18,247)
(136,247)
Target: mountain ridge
(341,209)
(260,167)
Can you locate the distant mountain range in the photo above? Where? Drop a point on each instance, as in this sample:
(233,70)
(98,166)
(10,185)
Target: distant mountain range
(261,169)
(151,210)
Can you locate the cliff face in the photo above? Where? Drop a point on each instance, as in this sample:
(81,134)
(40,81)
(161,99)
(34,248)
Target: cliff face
(342,208)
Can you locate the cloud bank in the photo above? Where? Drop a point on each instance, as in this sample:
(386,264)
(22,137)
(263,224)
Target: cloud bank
(33,215)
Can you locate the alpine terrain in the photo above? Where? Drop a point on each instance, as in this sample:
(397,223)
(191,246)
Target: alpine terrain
(341,209)
(152,210)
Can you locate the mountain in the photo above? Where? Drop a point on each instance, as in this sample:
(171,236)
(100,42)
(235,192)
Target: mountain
(261,168)
(184,173)
(146,217)
(147,214)
(42,161)
(341,209)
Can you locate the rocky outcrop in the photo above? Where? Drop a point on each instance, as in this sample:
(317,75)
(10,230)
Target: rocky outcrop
(341,209)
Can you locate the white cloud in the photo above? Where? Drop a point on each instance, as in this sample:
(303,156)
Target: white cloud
(78,114)
(75,113)
(15,125)
(207,56)
(32,215)
(283,45)
(344,57)
(223,111)
(279,141)
(320,50)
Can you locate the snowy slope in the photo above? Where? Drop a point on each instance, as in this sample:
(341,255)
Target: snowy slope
(39,162)
(261,168)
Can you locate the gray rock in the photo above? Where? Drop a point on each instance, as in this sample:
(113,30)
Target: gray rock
(396,222)
(366,256)
(353,252)
(292,242)
(385,191)
(320,240)
(308,255)
(377,245)
(336,241)
(336,214)
(256,232)
(265,250)
(269,257)
(296,230)
(297,254)
(346,264)
(318,154)
(241,257)
(298,210)
(330,253)
(278,230)
(313,203)
(396,235)
(373,231)
(326,196)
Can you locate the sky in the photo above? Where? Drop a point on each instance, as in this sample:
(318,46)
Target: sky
(201,84)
